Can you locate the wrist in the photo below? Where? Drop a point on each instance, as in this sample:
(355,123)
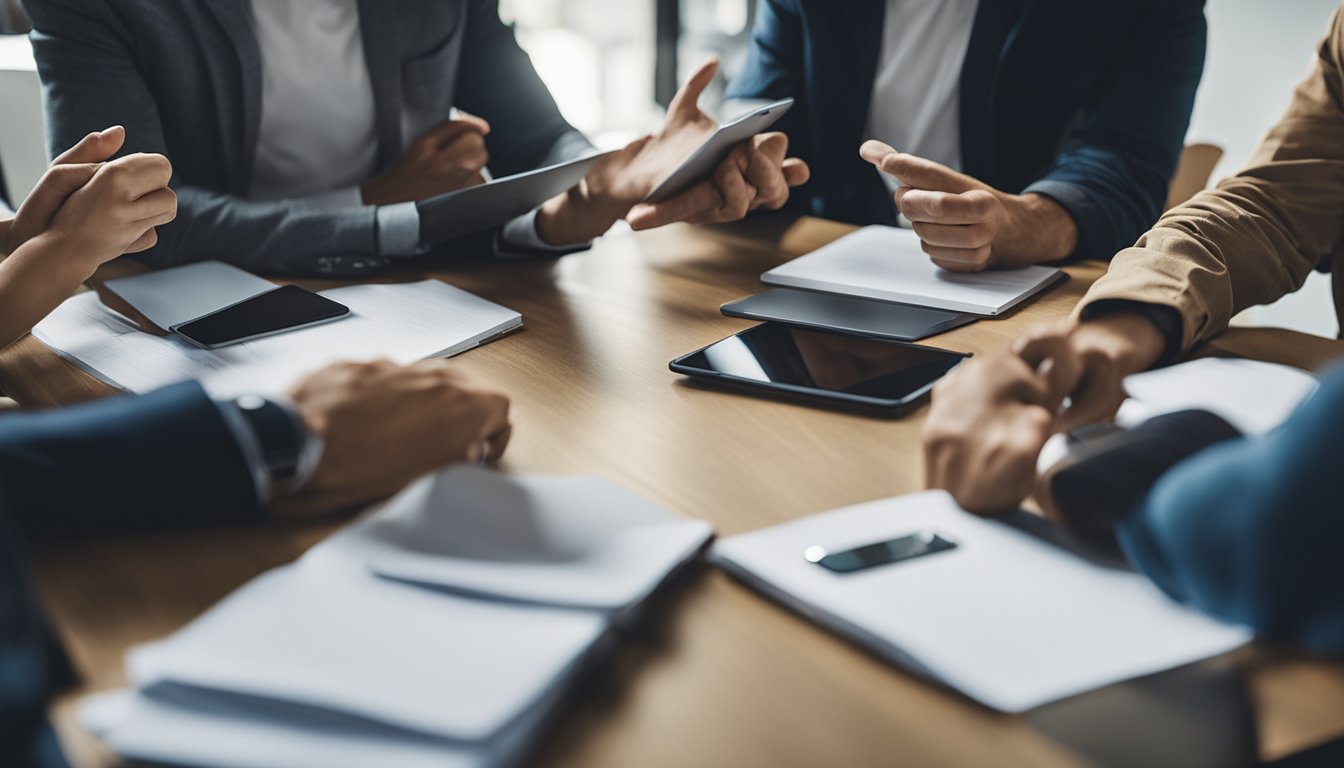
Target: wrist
(1128,339)
(65,258)
(1038,230)
(578,216)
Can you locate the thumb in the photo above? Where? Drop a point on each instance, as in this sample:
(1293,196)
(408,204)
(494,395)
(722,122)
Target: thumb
(94,148)
(917,172)
(59,183)
(687,101)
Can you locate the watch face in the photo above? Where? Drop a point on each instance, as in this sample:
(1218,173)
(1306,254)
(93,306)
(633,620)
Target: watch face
(251,402)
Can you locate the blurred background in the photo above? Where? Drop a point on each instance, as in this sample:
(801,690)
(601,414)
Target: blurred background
(613,65)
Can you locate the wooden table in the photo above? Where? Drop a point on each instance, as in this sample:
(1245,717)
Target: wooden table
(725,677)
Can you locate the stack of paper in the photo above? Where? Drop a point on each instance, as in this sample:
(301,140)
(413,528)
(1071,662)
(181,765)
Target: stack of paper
(1005,617)
(401,322)
(328,663)
(888,264)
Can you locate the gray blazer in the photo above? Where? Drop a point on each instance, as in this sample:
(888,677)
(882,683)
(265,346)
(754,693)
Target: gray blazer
(185,80)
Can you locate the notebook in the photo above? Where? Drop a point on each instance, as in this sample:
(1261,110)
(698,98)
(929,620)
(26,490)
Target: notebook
(888,264)
(1006,617)
(403,322)
(168,297)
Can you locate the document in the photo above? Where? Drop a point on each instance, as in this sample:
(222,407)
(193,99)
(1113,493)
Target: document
(570,541)
(888,264)
(402,322)
(180,294)
(1005,617)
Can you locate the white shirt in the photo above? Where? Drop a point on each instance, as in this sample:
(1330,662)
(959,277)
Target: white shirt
(318,138)
(915,105)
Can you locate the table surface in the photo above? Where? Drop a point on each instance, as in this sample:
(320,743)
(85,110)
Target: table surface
(721,676)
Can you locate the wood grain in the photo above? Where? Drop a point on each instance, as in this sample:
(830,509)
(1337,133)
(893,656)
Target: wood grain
(720,677)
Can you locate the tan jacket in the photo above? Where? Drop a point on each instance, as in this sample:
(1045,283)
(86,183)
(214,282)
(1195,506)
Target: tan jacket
(1260,233)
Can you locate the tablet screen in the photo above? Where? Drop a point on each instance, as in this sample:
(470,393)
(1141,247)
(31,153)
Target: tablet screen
(774,353)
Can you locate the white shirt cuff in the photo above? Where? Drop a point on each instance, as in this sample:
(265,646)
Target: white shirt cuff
(399,230)
(522,233)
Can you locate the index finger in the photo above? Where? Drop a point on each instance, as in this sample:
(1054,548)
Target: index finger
(927,207)
(144,173)
(703,196)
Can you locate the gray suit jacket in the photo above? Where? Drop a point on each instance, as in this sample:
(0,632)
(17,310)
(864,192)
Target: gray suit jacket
(185,80)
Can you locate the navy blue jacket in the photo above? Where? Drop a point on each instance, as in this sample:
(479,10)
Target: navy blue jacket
(1252,530)
(1085,102)
(128,464)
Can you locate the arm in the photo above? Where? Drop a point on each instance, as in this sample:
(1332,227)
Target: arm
(163,460)
(86,61)
(1259,234)
(1113,172)
(1250,531)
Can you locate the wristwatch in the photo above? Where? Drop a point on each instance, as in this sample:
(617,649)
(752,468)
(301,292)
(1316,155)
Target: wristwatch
(289,451)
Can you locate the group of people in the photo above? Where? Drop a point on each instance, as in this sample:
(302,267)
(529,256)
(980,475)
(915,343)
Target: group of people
(294,138)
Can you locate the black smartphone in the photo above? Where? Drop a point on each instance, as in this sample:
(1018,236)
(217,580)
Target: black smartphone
(286,308)
(824,366)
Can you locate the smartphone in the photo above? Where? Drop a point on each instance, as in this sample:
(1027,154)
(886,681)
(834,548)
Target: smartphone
(286,308)
(705,160)
(823,366)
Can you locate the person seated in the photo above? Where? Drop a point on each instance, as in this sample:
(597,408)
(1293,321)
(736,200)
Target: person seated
(1264,508)
(345,436)
(1027,132)
(300,133)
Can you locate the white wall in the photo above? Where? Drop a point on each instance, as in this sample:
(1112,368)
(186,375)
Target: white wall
(1258,50)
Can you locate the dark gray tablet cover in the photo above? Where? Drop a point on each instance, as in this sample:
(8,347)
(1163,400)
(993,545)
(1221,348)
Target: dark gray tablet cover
(901,322)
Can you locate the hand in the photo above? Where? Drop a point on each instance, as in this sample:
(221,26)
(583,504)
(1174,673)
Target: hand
(755,175)
(967,225)
(116,212)
(68,173)
(993,414)
(385,425)
(447,158)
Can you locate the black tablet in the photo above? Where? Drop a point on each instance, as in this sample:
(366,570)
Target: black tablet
(822,366)
(850,314)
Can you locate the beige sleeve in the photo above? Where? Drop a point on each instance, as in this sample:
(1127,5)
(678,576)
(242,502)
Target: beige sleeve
(1260,233)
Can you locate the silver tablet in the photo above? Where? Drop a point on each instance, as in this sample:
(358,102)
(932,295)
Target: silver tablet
(703,162)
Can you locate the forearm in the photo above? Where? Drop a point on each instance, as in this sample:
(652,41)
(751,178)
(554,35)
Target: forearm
(34,280)
(1037,229)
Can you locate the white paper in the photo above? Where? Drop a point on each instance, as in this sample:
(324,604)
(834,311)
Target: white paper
(344,641)
(172,296)
(141,727)
(888,264)
(1253,396)
(577,541)
(402,322)
(1006,618)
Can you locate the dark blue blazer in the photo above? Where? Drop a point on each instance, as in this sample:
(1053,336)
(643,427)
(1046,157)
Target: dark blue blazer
(1253,530)
(1086,102)
(128,464)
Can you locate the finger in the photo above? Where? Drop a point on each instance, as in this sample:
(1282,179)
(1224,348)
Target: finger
(932,207)
(796,172)
(701,197)
(1051,355)
(497,443)
(481,123)
(467,153)
(494,409)
(146,241)
(736,192)
(1097,396)
(954,235)
(138,174)
(445,133)
(94,148)
(959,259)
(876,151)
(920,173)
(686,104)
(57,184)
(154,205)
(765,173)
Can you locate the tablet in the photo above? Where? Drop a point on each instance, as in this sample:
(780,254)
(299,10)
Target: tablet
(822,366)
(703,162)
(473,209)
(900,322)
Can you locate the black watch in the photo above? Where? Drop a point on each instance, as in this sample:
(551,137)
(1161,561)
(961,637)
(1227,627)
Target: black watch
(280,438)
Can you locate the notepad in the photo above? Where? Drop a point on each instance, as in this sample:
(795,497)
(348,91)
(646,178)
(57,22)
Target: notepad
(1007,618)
(570,541)
(888,264)
(402,322)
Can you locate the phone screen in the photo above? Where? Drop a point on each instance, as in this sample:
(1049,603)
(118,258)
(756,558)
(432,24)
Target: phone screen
(285,308)
(776,354)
